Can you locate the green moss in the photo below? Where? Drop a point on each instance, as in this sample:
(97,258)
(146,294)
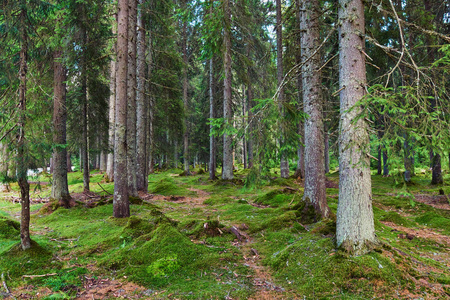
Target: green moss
(279,197)
(435,220)
(285,220)
(9,229)
(394,217)
(218,199)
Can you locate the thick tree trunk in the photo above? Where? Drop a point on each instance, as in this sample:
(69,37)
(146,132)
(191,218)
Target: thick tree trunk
(121,204)
(284,164)
(141,106)
(408,160)
(60,187)
(355,231)
(315,190)
(131,91)
(212,138)
(227,168)
(25,239)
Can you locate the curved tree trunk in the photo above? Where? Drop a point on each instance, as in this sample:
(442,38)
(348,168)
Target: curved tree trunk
(315,191)
(355,231)
(121,204)
(60,187)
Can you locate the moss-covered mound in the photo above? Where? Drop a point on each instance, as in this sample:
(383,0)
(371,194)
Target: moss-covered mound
(279,197)
(394,217)
(9,229)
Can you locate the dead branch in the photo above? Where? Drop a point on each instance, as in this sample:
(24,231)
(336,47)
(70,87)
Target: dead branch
(37,276)
(4,284)
(103,189)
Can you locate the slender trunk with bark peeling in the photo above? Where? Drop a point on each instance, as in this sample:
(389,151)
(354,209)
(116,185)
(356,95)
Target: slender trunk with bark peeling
(141,106)
(284,164)
(131,90)
(315,190)
(212,138)
(355,231)
(60,187)
(25,239)
(121,206)
(227,168)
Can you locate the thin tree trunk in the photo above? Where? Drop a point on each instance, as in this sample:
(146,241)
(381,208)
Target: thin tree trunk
(84,117)
(436,173)
(131,91)
(185,99)
(69,163)
(212,138)
(408,160)
(227,168)
(385,164)
(121,206)
(300,170)
(355,231)
(284,164)
(4,159)
(112,113)
(25,239)
(141,106)
(150,111)
(60,187)
(379,166)
(315,190)
(250,156)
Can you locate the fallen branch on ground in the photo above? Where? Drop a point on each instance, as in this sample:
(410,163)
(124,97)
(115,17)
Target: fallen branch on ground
(36,276)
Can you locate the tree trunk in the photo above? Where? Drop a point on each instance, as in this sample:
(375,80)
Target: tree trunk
(112,112)
(379,166)
(185,99)
(25,239)
(385,164)
(284,164)
(121,204)
(69,163)
(4,158)
(436,173)
(150,111)
(355,231)
(212,138)
(60,188)
(227,168)
(141,106)
(131,91)
(315,190)
(84,116)
(326,150)
(408,160)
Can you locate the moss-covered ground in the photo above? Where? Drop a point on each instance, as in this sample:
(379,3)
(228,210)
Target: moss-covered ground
(192,238)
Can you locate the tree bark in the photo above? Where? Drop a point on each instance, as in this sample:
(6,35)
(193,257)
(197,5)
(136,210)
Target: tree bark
(84,116)
(284,164)
(150,111)
(436,172)
(131,91)
(121,206)
(112,113)
(227,168)
(141,106)
(60,187)
(385,164)
(315,190)
(355,231)
(185,98)
(25,239)
(212,138)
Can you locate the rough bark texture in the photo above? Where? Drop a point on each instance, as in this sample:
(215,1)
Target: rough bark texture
(131,90)
(355,231)
(25,239)
(379,166)
(112,113)
(141,106)
(408,160)
(150,113)
(284,164)
(121,204)
(212,139)
(300,170)
(227,168)
(60,187)
(315,190)
(250,156)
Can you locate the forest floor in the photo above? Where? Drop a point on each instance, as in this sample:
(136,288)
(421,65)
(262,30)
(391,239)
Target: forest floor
(192,238)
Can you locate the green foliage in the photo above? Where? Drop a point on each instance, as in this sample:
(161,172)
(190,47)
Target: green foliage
(66,280)
(163,267)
